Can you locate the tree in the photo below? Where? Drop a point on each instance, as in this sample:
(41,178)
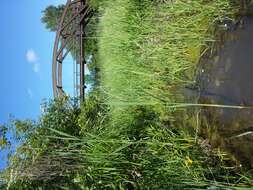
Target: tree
(32,163)
(51,16)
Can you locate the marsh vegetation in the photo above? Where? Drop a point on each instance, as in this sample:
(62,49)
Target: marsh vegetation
(136,130)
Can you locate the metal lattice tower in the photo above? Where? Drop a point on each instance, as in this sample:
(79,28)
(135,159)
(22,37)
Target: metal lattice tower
(70,38)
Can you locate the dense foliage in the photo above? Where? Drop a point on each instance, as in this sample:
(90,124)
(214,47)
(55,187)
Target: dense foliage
(129,133)
(77,148)
(51,16)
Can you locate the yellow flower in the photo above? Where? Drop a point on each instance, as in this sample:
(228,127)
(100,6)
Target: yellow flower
(188,161)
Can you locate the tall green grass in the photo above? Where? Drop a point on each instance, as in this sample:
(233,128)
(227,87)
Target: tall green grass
(128,136)
(160,160)
(149,49)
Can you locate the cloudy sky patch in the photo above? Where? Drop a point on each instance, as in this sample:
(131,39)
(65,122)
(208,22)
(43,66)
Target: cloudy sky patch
(31,56)
(36,67)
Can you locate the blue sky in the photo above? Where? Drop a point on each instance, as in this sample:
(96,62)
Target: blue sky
(26,56)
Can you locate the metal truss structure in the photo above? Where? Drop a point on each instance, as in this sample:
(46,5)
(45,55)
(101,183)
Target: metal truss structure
(70,39)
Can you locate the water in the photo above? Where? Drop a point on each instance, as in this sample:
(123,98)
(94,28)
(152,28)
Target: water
(226,78)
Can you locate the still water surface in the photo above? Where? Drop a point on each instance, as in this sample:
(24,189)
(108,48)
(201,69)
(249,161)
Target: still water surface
(226,78)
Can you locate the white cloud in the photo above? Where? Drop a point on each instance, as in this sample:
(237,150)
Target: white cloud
(31,56)
(30,92)
(36,67)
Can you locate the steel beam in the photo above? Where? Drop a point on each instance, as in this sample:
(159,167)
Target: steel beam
(71,27)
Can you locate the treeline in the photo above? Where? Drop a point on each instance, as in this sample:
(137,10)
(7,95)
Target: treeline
(44,157)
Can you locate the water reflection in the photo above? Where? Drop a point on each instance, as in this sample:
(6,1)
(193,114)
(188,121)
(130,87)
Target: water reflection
(226,77)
